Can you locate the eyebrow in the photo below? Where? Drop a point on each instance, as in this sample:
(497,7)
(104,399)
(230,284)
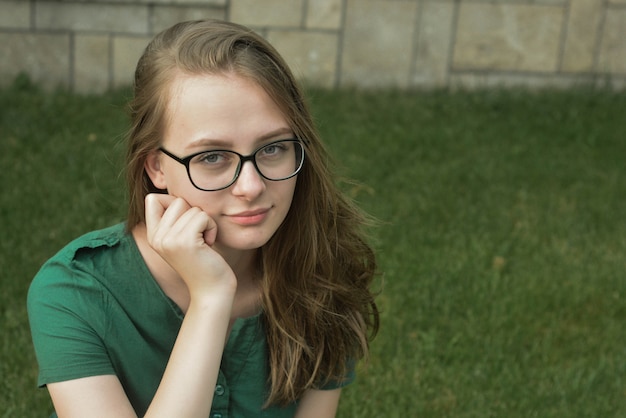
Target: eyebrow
(204,142)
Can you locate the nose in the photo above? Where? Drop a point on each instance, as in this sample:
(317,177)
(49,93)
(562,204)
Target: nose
(249,184)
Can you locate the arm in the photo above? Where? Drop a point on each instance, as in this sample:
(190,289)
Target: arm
(182,236)
(319,404)
(94,397)
(193,367)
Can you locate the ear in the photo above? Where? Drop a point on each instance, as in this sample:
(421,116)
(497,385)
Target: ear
(153,168)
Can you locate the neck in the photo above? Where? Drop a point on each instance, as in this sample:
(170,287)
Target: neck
(243,262)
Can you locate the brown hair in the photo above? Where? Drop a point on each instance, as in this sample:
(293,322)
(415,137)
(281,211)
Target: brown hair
(319,312)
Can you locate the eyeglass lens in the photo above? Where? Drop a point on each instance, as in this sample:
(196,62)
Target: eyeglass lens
(213,170)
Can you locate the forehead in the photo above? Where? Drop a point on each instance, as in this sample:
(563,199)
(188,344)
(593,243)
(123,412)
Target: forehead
(224,107)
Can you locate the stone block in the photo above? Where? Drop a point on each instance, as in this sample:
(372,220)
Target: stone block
(132,19)
(516,37)
(15,14)
(324,14)
(585,17)
(44,57)
(378,39)
(165,16)
(434,40)
(126,53)
(533,81)
(613,83)
(198,3)
(170,2)
(311,56)
(612,58)
(276,13)
(92,65)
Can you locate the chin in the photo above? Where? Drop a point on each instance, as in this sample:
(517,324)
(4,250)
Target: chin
(243,243)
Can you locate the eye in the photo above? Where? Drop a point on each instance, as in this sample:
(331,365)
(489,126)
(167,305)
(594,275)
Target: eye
(274,149)
(270,149)
(213,158)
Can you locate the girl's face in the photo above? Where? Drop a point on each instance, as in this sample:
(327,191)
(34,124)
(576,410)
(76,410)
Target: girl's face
(225,112)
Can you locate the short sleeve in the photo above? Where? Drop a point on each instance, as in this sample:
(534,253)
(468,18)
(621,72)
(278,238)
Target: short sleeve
(65,309)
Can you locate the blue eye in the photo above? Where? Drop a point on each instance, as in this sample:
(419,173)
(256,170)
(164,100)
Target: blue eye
(215,159)
(270,149)
(211,157)
(273,149)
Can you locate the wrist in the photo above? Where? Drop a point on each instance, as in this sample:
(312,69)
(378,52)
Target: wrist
(217,296)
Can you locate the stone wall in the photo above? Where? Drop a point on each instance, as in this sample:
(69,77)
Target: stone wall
(93,45)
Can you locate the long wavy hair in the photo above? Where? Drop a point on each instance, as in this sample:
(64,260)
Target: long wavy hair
(319,311)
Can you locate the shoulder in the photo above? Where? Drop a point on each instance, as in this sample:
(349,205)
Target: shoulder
(76,264)
(103,238)
(93,240)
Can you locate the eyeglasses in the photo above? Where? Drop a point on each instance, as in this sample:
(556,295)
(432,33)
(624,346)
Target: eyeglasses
(218,169)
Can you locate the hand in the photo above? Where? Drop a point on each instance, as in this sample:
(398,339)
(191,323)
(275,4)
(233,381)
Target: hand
(183,235)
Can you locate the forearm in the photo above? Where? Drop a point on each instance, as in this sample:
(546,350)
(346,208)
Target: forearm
(182,236)
(186,388)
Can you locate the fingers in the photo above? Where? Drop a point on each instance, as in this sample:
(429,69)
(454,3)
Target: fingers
(210,232)
(172,219)
(155,206)
(156,226)
(183,235)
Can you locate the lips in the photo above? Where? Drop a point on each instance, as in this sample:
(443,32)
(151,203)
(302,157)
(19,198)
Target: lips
(250,217)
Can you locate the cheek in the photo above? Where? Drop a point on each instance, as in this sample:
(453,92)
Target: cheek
(288,192)
(207,201)
(176,179)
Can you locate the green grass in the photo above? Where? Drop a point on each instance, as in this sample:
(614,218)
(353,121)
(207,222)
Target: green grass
(502,240)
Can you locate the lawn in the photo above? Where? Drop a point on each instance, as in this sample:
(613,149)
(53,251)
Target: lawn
(502,240)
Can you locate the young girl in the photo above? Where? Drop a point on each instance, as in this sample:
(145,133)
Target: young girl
(239,285)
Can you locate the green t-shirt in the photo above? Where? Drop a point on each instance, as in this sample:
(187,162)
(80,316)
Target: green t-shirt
(95,309)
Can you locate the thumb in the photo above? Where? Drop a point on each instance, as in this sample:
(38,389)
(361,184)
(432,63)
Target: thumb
(210,233)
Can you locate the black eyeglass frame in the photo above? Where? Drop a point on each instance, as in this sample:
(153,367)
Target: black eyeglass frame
(242,160)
